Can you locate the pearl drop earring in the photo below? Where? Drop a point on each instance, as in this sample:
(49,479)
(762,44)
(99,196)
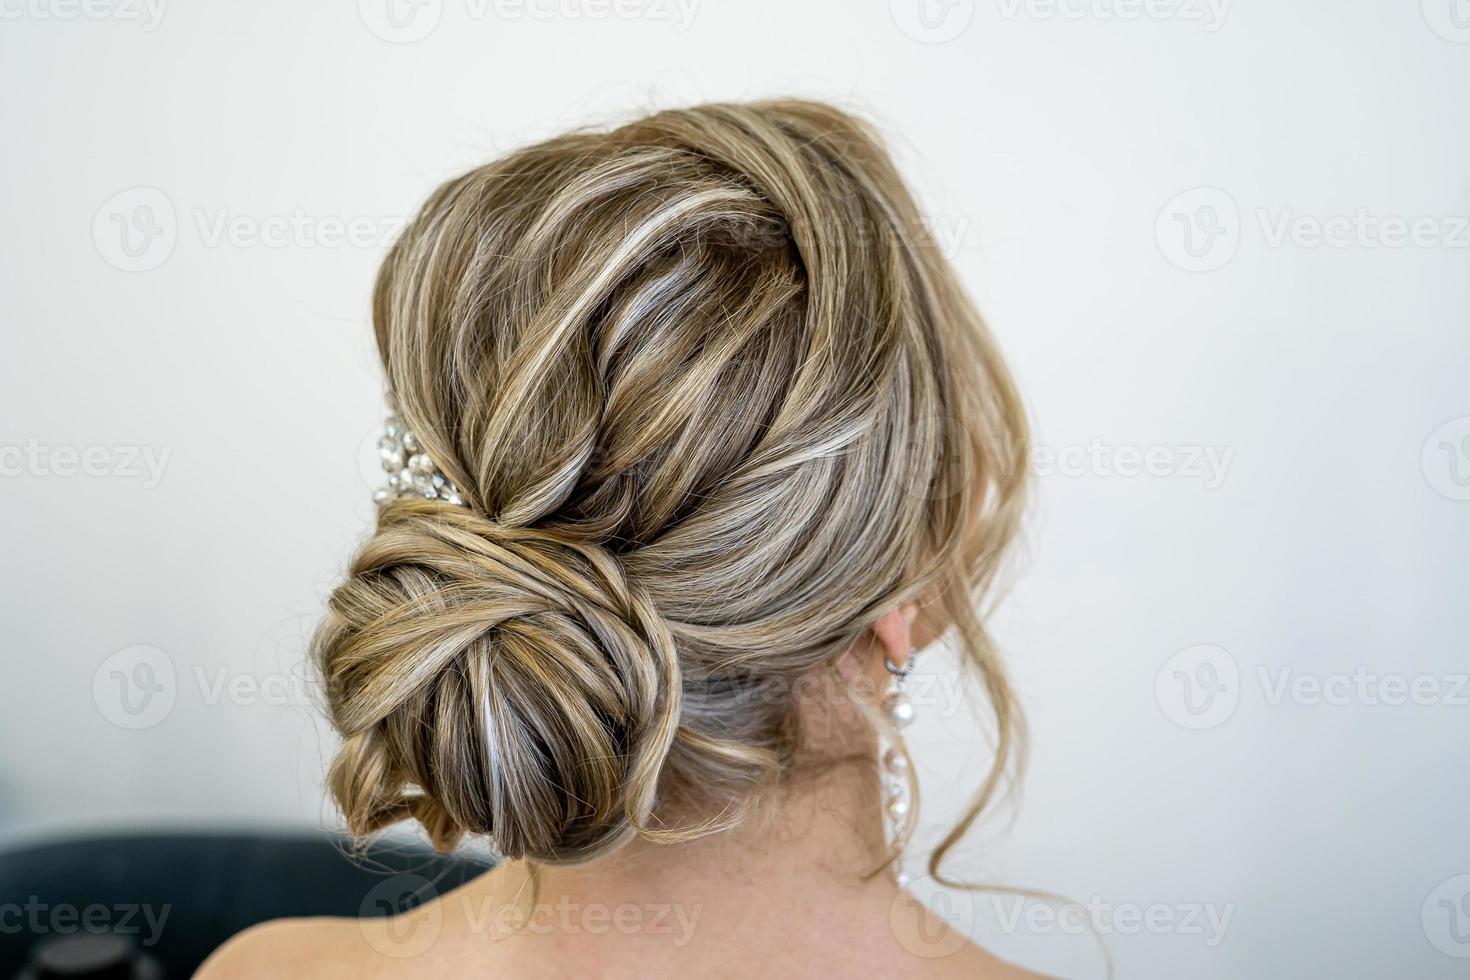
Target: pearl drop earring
(896,795)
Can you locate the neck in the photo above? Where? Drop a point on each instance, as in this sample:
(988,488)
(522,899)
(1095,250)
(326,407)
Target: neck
(821,833)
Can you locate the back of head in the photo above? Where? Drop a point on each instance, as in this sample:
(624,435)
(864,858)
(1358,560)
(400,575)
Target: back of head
(714,403)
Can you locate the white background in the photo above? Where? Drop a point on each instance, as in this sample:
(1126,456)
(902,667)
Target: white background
(1050,145)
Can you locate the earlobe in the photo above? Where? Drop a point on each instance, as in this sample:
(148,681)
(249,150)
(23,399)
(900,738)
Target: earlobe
(894,634)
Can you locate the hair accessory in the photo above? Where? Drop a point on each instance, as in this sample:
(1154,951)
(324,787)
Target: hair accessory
(896,779)
(411,473)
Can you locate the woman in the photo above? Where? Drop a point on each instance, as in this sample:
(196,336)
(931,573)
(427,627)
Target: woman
(697,440)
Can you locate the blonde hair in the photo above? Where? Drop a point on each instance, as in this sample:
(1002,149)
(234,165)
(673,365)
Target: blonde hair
(715,403)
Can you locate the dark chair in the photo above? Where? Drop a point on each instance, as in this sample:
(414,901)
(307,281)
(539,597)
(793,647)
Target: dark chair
(166,901)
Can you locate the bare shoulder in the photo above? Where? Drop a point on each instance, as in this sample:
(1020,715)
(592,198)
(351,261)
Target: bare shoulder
(320,947)
(978,962)
(931,947)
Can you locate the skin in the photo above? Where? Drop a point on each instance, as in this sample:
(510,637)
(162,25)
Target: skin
(788,893)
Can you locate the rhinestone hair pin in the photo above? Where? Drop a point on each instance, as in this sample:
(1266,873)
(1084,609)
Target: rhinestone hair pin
(411,473)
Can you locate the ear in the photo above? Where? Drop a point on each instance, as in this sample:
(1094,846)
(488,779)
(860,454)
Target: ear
(894,634)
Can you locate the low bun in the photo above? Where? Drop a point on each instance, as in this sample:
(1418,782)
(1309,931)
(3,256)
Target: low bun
(501,681)
(714,402)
